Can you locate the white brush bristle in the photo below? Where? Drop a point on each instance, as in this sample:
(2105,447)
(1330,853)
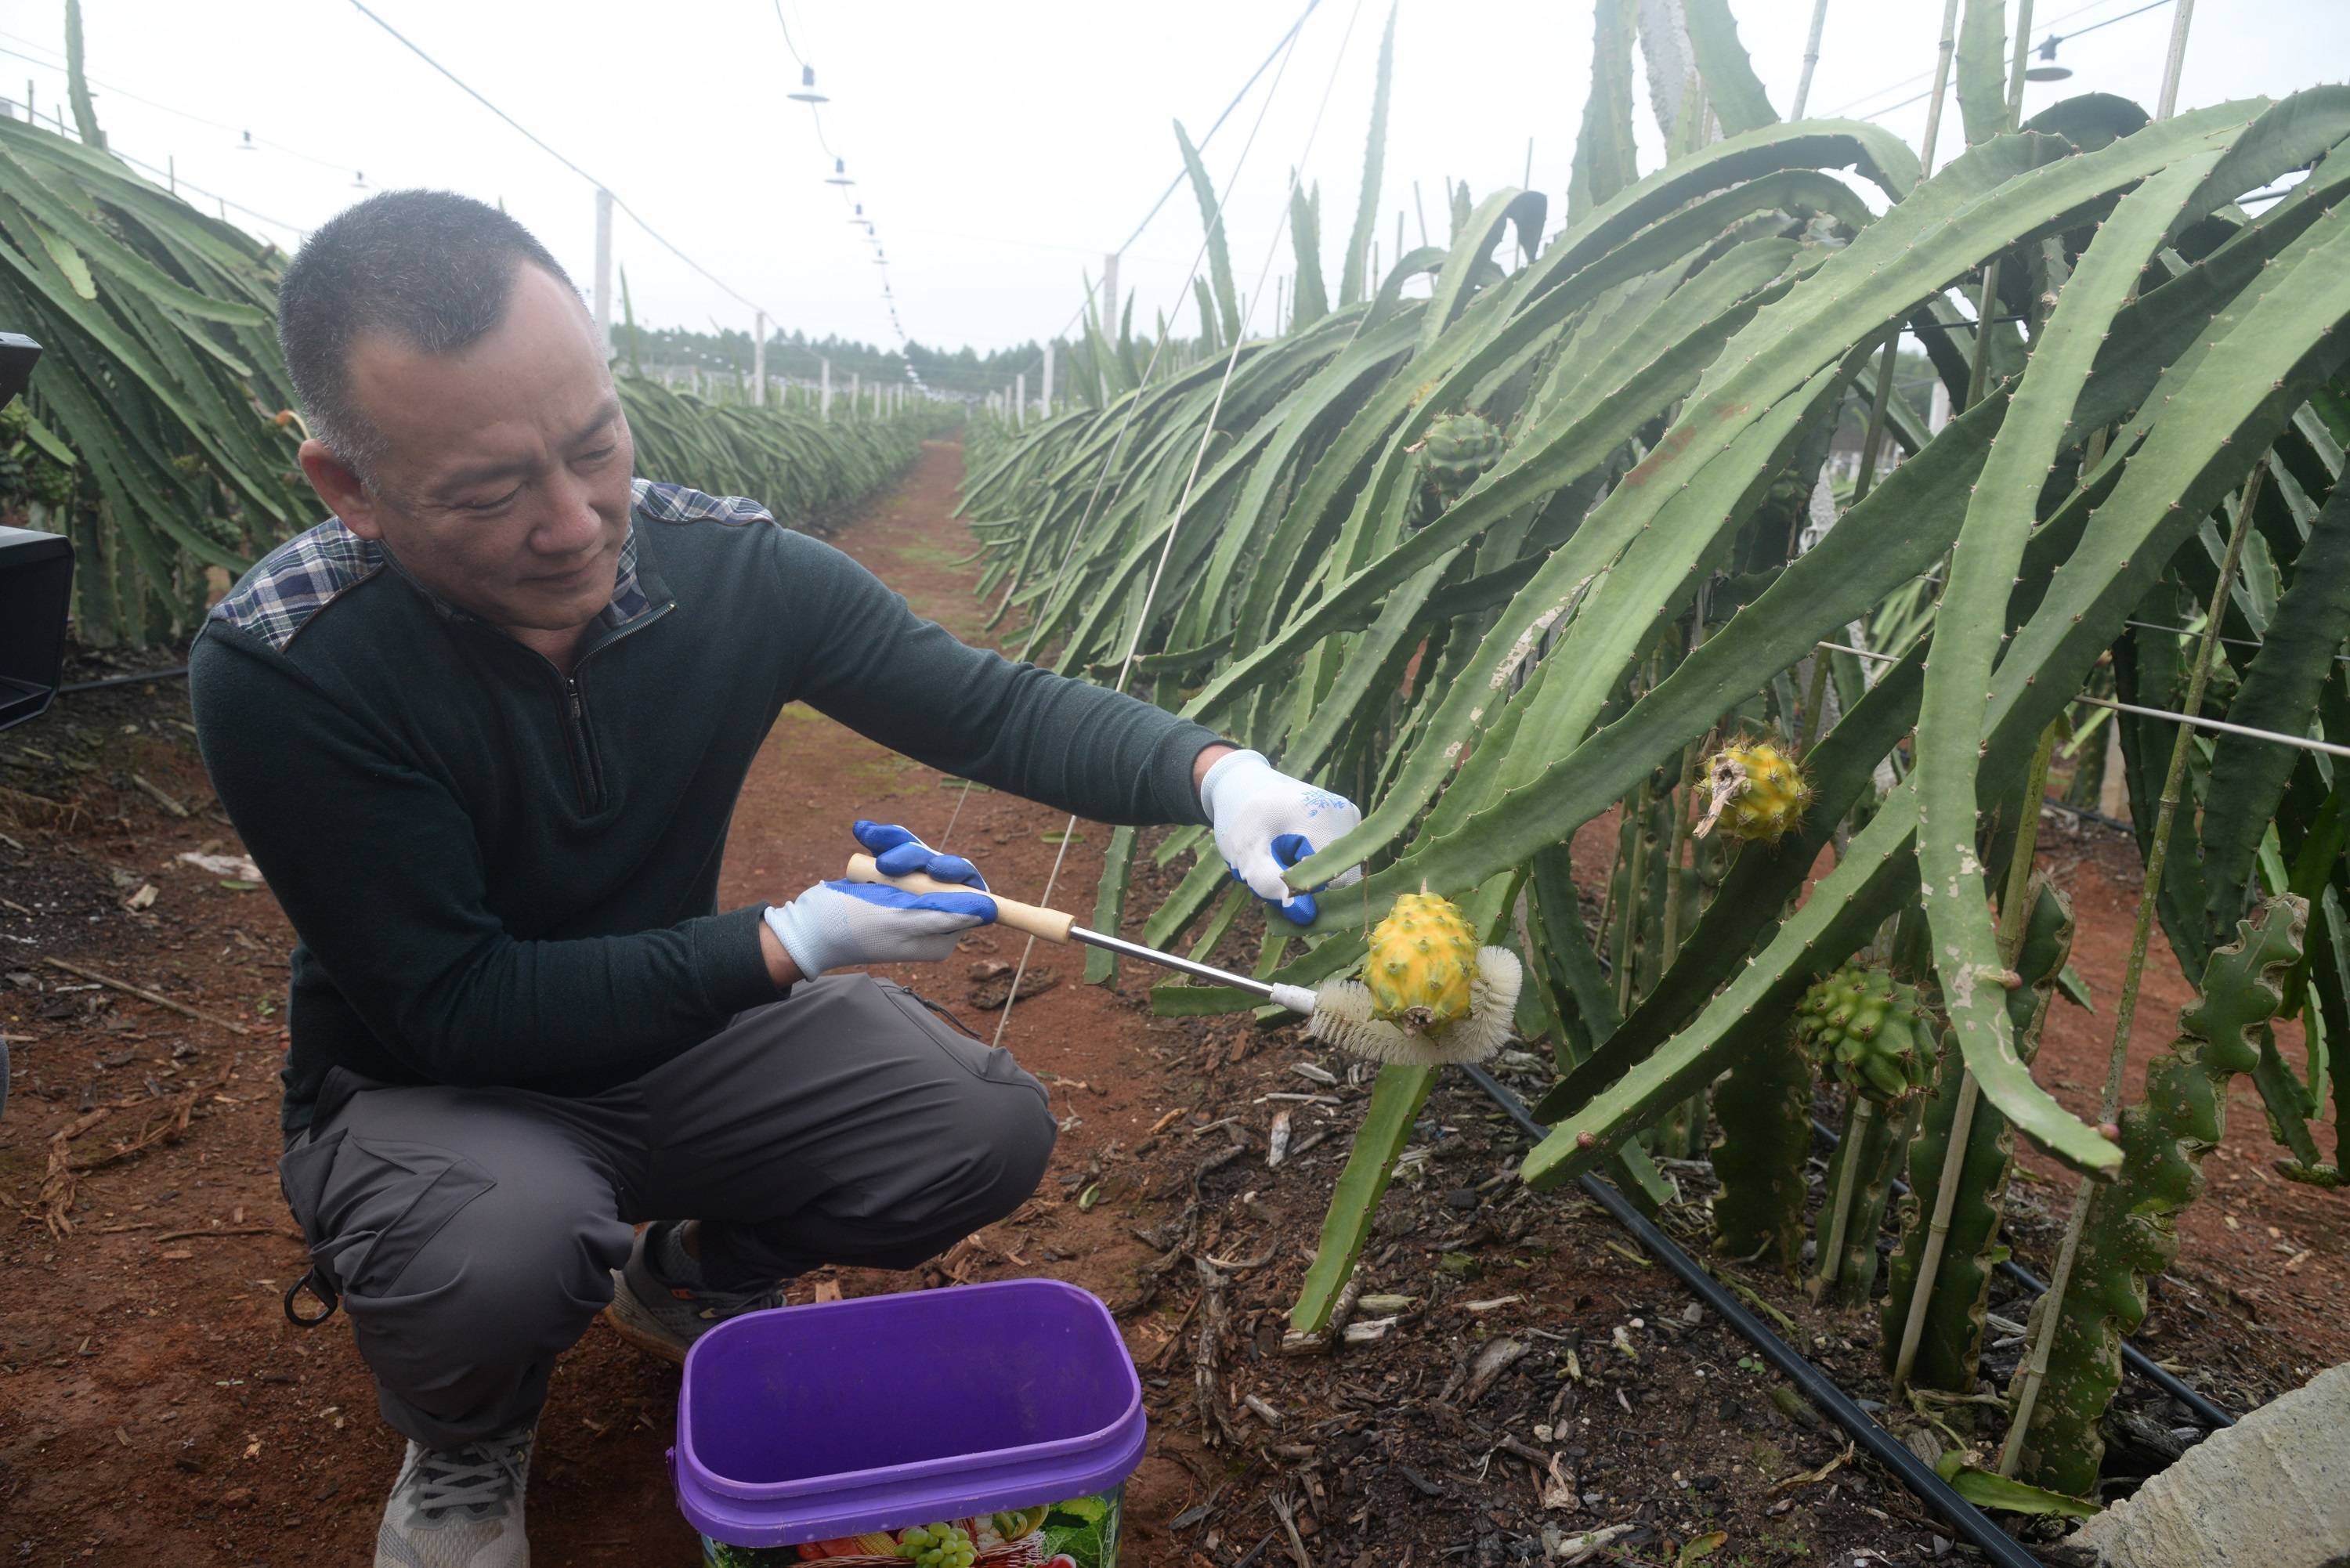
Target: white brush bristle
(1342,1015)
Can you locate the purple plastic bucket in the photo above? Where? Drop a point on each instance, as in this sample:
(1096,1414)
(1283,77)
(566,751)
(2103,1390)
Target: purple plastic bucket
(1010,1412)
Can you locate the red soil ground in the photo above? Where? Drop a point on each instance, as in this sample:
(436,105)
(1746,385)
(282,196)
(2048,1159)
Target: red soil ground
(155,1408)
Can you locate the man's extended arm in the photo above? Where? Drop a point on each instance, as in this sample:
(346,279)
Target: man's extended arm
(868,662)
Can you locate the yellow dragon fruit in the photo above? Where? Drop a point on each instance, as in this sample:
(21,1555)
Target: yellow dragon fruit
(1423,964)
(1759,792)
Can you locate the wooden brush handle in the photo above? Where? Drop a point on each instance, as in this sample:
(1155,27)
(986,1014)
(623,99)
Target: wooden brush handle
(1031,918)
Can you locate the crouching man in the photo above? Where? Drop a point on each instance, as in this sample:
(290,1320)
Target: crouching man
(483,730)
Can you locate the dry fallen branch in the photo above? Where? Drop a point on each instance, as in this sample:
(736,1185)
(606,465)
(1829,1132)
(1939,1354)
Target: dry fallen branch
(143,994)
(207,1234)
(53,813)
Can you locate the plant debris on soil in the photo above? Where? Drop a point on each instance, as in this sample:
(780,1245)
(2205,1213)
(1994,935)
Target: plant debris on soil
(1517,1381)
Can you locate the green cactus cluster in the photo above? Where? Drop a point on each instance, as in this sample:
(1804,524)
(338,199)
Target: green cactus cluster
(1871,1031)
(2132,1233)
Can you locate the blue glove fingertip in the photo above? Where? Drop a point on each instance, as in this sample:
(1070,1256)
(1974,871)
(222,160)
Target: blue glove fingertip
(903,859)
(1289,849)
(877,837)
(1301,910)
(955,868)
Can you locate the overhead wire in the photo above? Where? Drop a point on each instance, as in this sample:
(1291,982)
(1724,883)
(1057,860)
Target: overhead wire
(1854,103)
(2196,720)
(881,254)
(2051,39)
(1207,434)
(347,166)
(536,140)
(340,166)
(1159,345)
(178,183)
(1175,184)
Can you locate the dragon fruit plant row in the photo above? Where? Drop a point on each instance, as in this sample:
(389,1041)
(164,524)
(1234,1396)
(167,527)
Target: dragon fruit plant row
(1525,531)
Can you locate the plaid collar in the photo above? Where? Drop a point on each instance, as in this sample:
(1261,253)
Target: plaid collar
(630,599)
(294,582)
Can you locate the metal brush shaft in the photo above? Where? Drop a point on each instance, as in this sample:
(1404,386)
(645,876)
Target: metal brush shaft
(1055,926)
(1094,938)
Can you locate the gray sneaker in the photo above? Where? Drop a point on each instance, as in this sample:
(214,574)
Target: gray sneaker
(654,1315)
(461,1508)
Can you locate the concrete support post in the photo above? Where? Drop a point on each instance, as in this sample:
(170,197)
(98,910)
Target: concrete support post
(604,270)
(824,390)
(1045,393)
(759,362)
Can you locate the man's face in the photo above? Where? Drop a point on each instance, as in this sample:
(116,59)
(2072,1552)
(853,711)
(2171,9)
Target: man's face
(504,485)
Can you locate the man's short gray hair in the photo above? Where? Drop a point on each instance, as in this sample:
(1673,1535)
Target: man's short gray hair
(431,268)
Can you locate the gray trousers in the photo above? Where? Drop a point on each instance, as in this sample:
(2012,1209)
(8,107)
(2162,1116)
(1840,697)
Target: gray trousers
(473,1231)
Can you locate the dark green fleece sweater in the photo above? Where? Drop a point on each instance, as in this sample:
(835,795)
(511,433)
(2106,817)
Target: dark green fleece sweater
(503,877)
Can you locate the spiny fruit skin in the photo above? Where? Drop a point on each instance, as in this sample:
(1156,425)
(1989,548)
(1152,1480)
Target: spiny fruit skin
(1871,1031)
(1455,453)
(1423,961)
(938,1546)
(1759,792)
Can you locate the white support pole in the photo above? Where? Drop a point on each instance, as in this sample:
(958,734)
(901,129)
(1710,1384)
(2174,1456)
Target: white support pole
(1109,298)
(759,363)
(604,270)
(824,390)
(1045,393)
(2182,15)
(856,389)
(1020,399)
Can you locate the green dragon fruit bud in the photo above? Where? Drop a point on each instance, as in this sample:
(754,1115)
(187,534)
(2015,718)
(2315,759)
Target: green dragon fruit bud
(1871,1031)
(1455,453)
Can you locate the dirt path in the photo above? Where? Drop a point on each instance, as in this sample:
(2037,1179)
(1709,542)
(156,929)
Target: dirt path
(156,1408)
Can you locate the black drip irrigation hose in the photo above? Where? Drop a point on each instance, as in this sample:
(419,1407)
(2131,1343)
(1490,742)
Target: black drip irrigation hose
(2136,1360)
(1882,1446)
(122,680)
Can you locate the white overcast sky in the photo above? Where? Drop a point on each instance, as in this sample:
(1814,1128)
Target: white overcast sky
(1000,148)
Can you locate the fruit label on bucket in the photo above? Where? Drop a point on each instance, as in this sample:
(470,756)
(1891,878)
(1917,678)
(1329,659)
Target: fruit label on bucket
(1079,1533)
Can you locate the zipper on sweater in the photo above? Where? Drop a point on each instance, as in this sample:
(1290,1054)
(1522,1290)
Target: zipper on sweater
(575,742)
(577,749)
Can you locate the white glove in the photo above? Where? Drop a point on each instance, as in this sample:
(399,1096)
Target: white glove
(1266,821)
(837,924)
